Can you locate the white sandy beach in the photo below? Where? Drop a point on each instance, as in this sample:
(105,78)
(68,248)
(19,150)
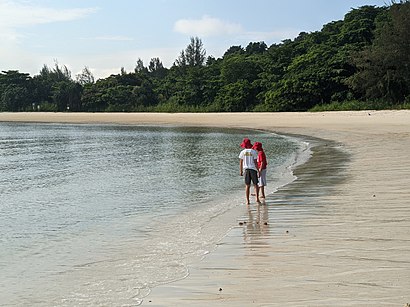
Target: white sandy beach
(354,251)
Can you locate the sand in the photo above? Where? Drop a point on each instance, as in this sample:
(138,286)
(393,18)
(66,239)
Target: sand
(338,236)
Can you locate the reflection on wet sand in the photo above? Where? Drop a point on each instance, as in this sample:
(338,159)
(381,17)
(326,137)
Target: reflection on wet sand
(257,224)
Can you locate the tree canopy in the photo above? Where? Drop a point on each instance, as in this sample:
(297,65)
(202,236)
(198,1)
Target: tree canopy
(359,62)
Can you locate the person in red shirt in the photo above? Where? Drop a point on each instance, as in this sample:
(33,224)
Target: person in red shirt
(262,164)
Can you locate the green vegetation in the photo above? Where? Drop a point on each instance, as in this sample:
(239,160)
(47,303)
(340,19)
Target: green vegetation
(360,62)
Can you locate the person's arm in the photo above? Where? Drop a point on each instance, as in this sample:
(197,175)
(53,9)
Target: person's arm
(262,162)
(241,167)
(256,164)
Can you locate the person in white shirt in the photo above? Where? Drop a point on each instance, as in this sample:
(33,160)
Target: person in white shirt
(248,167)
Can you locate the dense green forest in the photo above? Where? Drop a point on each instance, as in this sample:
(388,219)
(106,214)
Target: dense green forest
(360,62)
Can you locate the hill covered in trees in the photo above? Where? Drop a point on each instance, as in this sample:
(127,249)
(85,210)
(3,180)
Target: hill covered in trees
(360,62)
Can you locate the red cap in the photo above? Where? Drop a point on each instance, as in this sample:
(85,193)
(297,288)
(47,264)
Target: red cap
(246,143)
(257,146)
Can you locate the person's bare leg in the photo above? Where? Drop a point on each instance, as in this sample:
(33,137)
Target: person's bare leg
(257,193)
(262,191)
(247,191)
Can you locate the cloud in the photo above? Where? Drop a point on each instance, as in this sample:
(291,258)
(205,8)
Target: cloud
(206,26)
(17,15)
(14,14)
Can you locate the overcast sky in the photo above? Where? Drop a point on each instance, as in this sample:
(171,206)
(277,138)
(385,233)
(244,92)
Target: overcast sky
(107,35)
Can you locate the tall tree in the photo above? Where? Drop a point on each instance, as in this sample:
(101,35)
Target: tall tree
(85,77)
(193,55)
(15,91)
(383,68)
(156,68)
(140,68)
(155,64)
(181,61)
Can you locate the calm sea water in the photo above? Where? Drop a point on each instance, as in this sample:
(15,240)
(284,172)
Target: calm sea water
(99,215)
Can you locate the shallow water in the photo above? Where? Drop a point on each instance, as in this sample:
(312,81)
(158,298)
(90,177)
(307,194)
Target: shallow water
(99,214)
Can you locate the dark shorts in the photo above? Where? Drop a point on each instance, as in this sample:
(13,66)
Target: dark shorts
(251,175)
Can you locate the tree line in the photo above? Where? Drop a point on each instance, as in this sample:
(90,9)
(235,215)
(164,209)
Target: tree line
(360,62)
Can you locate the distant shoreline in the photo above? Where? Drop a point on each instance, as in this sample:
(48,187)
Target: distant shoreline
(346,120)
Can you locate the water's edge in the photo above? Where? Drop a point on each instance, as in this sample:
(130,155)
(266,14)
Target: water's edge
(314,178)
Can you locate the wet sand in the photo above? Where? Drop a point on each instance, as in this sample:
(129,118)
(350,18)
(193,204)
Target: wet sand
(338,236)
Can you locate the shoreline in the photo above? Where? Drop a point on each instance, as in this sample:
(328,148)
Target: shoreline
(246,259)
(353,248)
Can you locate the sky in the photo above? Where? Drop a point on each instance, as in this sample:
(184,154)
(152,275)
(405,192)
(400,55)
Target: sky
(106,36)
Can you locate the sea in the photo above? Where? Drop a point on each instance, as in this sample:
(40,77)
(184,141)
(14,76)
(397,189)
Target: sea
(99,215)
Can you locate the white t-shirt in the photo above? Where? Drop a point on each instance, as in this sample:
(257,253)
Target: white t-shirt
(248,157)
